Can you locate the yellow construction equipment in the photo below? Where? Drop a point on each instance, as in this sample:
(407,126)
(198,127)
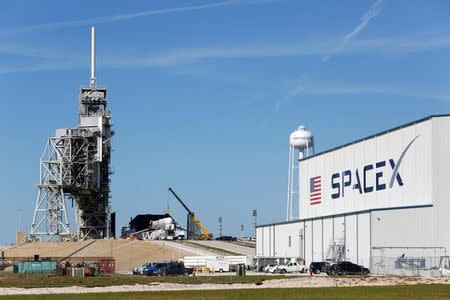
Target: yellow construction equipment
(195,229)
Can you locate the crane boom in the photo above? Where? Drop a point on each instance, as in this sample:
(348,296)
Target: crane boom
(179,200)
(206,235)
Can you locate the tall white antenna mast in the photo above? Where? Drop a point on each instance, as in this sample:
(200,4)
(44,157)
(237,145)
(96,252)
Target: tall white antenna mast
(93,79)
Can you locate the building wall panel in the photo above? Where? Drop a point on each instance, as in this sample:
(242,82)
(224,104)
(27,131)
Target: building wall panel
(328,235)
(287,240)
(363,239)
(308,241)
(259,241)
(403,228)
(387,171)
(350,238)
(317,253)
(441,188)
(267,242)
(338,229)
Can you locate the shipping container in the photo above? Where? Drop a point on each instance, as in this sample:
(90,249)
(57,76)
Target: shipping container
(107,266)
(35,267)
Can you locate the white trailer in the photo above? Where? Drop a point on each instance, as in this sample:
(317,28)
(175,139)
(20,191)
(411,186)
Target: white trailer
(215,263)
(219,265)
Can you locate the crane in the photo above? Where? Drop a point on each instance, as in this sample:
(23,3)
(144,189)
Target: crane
(193,223)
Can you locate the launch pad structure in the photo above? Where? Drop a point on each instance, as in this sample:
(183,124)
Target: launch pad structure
(75,166)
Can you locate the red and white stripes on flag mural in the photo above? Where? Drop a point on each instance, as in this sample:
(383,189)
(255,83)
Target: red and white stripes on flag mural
(315,190)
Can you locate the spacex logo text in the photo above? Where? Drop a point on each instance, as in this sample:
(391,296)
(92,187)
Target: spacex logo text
(340,181)
(369,178)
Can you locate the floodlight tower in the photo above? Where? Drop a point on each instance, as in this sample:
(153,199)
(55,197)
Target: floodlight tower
(76,166)
(301,144)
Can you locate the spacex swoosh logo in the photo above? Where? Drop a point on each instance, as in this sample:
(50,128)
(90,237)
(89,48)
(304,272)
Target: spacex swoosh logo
(399,162)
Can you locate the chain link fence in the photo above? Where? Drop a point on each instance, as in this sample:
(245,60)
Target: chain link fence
(406,266)
(411,261)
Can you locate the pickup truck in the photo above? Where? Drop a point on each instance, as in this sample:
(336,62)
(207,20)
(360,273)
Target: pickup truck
(291,268)
(171,269)
(140,270)
(150,268)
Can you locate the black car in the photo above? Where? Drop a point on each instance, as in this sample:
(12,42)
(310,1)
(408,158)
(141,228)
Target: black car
(171,269)
(318,267)
(226,238)
(347,268)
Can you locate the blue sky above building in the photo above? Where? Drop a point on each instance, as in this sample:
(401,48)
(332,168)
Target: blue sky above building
(204,94)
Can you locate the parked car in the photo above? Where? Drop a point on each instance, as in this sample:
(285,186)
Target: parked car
(318,267)
(226,238)
(139,270)
(347,268)
(270,268)
(291,268)
(150,268)
(171,269)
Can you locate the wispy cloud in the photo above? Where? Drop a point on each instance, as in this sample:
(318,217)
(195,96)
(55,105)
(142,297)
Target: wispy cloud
(195,55)
(367,89)
(374,11)
(302,89)
(279,49)
(124,17)
(36,52)
(292,93)
(40,67)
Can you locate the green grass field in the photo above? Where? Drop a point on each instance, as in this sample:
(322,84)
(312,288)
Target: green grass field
(348,293)
(39,280)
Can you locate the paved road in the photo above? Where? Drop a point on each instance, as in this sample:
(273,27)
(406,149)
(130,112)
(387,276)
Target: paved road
(184,247)
(250,252)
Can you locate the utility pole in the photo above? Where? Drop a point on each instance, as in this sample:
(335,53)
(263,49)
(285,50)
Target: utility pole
(20,220)
(220,222)
(255,214)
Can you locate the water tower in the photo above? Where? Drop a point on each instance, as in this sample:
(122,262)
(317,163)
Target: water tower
(301,144)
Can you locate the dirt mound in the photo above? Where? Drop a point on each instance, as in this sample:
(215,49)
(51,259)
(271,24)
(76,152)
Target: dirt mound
(128,254)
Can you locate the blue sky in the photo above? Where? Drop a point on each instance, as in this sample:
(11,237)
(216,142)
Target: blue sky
(204,94)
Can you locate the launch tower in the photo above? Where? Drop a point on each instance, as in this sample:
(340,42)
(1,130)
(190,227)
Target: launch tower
(76,166)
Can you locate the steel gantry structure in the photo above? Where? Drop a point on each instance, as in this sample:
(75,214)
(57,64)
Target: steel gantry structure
(76,166)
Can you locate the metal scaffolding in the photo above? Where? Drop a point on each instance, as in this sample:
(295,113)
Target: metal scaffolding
(50,214)
(76,166)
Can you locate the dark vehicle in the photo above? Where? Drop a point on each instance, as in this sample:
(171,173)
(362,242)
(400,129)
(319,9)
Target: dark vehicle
(226,238)
(170,269)
(148,269)
(319,267)
(139,270)
(347,268)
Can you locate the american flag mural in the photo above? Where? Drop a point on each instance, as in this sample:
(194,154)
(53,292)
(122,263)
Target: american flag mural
(315,190)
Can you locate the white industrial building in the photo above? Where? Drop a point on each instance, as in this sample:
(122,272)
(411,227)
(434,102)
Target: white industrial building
(381,201)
